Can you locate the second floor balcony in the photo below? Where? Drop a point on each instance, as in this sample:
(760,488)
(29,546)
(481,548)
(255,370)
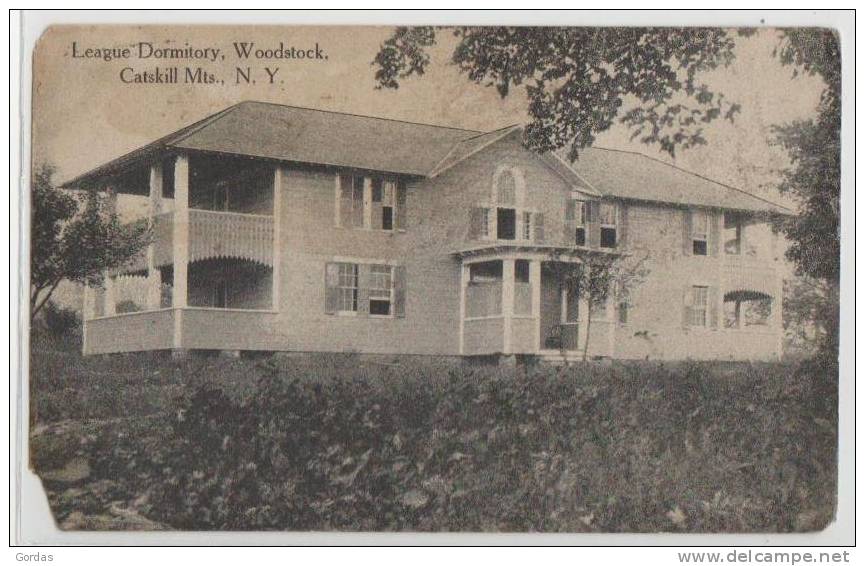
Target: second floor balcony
(214,227)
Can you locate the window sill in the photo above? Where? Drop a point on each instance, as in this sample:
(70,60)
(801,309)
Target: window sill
(373,230)
(490,317)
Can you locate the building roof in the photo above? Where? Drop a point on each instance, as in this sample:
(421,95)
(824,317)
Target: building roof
(631,175)
(304,135)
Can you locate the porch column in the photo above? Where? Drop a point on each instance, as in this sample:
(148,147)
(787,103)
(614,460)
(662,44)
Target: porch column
(154,276)
(508,274)
(584,311)
(180,233)
(777,307)
(535,282)
(110,305)
(464,282)
(612,323)
(277,248)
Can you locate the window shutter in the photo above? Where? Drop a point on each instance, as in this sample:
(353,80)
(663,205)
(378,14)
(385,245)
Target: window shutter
(713,307)
(363,273)
(686,306)
(331,291)
(714,233)
(377,213)
(357,195)
(622,235)
(538,220)
(570,221)
(401,211)
(399,291)
(477,215)
(345,192)
(687,242)
(593,225)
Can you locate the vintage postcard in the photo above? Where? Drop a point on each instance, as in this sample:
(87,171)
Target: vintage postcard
(440,279)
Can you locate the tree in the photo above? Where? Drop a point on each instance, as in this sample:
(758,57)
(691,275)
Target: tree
(75,237)
(580,81)
(814,178)
(600,277)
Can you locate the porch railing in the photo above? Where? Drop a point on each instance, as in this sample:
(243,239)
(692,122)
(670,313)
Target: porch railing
(230,234)
(484,299)
(564,337)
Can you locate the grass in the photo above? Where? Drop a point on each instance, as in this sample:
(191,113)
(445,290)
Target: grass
(337,442)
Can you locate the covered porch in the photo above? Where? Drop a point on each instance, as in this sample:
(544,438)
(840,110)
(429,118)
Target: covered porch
(213,255)
(525,300)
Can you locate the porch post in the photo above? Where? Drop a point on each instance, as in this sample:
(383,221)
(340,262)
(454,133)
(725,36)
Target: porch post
(584,311)
(612,323)
(777,310)
(508,273)
(535,282)
(277,248)
(464,281)
(154,276)
(181,243)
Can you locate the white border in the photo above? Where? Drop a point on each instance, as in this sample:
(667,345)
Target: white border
(30,518)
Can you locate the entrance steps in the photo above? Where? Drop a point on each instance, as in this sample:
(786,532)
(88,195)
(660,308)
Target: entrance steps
(556,358)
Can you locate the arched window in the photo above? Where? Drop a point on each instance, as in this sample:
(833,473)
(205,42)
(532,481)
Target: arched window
(506,188)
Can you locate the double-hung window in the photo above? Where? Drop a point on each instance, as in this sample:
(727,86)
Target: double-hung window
(699,305)
(365,289)
(700,232)
(528,225)
(380,289)
(607,215)
(577,220)
(372,203)
(733,233)
(347,287)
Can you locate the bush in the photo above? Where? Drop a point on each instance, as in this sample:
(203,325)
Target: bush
(321,444)
(59,321)
(592,449)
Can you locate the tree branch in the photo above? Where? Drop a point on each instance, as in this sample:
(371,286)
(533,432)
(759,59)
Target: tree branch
(44,300)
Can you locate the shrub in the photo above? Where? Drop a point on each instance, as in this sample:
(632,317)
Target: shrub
(625,448)
(60,321)
(315,443)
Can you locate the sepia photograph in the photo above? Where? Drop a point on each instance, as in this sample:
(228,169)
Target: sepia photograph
(435,278)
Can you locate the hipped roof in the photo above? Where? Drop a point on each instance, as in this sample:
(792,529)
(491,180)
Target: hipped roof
(304,135)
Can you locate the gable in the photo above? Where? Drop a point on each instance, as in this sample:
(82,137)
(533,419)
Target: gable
(504,148)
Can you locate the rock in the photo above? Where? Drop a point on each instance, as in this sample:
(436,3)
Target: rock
(677,516)
(75,470)
(120,519)
(415,499)
(812,520)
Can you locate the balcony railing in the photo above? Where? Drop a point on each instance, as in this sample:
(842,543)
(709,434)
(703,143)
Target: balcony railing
(230,234)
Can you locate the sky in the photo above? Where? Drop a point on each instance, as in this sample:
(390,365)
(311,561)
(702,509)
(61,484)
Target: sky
(84,115)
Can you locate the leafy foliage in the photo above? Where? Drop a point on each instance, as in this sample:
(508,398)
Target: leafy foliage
(601,277)
(580,81)
(327,443)
(814,180)
(74,238)
(60,320)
